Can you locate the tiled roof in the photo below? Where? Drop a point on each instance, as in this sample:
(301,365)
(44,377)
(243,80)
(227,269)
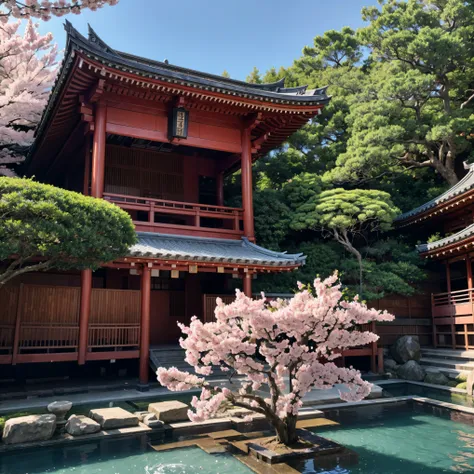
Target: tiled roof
(457,237)
(199,249)
(162,70)
(461,187)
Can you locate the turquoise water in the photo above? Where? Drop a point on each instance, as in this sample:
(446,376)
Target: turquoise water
(404,442)
(401,389)
(120,457)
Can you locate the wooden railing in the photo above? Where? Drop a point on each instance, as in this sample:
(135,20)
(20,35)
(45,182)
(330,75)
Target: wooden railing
(48,336)
(41,324)
(113,336)
(453,319)
(179,217)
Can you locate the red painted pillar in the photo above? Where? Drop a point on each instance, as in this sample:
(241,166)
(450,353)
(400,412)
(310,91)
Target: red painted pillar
(247,199)
(220,189)
(248,285)
(85,311)
(145,324)
(469,272)
(448,279)
(98,151)
(87,166)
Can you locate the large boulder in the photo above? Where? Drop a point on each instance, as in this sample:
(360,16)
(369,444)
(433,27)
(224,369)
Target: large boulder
(78,425)
(170,411)
(27,429)
(411,370)
(113,418)
(406,348)
(390,365)
(436,378)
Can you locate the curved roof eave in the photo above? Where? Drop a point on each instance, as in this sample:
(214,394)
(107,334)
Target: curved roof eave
(96,46)
(464,185)
(463,234)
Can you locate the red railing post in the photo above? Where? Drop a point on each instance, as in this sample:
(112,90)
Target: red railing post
(151,213)
(197,217)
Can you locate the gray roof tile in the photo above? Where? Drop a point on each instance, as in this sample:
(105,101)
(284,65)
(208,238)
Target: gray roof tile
(457,237)
(210,250)
(461,187)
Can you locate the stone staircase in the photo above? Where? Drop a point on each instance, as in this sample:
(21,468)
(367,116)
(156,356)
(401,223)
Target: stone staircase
(173,356)
(450,362)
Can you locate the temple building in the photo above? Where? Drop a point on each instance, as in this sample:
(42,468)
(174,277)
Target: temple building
(156,140)
(447,222)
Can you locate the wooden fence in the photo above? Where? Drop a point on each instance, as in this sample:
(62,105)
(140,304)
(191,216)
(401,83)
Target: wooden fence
(41,323)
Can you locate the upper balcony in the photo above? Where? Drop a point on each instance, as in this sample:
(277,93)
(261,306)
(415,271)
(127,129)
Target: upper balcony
(183,218)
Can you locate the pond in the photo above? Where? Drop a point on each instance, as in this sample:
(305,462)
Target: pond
(400,441)
(130,456)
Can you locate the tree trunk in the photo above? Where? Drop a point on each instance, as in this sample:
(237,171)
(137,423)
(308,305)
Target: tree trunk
(343,239)
(286,430)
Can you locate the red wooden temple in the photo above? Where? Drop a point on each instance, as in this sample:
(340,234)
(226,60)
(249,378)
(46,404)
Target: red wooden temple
(450,217)
(156,140)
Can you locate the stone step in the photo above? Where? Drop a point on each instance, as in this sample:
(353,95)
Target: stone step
(447,364)
(450,373)
(447,353)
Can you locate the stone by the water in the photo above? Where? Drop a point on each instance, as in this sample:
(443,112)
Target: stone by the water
(152,421)
(140,414)
(169,411)
(390,365)
(27,429)
(470,383)
(436,378)
(78,425)
(411,370)
(59,409)
(113,418)
(406,348)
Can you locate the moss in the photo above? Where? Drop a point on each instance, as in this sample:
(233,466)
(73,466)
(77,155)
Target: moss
(5,418)
(462,385)
(452,383)
(461,378)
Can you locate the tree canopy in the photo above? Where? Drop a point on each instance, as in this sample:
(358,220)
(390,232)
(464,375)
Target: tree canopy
(44,227)
(400,121)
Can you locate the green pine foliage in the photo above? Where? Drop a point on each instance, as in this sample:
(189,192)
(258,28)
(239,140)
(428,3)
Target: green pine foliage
(394,135)
(44,227)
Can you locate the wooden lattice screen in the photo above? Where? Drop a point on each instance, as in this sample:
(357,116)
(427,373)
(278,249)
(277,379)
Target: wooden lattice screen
(144,173)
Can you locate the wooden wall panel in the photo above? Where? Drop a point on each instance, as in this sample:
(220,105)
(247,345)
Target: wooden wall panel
(50,305)
(115,306)
(8,304)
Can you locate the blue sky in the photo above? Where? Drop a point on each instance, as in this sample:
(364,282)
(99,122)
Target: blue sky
(212,35)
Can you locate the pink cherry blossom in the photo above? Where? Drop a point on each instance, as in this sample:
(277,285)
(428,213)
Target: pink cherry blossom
(286,347)
(27,71)
(44,9)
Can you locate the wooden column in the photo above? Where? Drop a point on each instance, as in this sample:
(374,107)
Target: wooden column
(84,315)
(248,285)
(469,272)
(98,151)
(145,325)
(87,166)
(247,199)
(220,189)
(448,278)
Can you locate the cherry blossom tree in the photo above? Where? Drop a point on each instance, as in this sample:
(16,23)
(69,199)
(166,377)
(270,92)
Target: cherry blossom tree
(27,72)
(288,347)
(44,9)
